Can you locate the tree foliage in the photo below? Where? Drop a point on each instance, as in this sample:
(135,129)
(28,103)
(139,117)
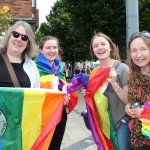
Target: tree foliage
(75,21)
(42,31)
(99,16)
(61,25)
(5,19)
(144,15)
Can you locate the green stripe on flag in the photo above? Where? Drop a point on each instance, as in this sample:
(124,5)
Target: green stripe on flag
(11,104)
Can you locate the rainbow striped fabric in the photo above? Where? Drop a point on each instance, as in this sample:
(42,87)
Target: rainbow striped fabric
(99,116)
(52,77)
(145,119)
(98,109)
(28,117)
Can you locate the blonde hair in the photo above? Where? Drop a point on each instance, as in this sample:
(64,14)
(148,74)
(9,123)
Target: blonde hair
(31,49)
(114,50)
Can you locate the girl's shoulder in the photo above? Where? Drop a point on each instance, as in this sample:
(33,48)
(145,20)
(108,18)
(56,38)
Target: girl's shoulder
(121,65)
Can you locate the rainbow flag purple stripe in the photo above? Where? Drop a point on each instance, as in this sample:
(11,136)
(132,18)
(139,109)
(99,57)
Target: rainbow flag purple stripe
(99,116)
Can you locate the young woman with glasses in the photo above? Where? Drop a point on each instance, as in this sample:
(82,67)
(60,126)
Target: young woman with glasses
(19,46)
(139,87)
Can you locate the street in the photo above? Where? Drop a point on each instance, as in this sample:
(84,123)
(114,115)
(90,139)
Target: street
(77,136)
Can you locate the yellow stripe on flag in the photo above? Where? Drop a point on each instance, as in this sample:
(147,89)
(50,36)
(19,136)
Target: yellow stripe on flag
(31,118)
(101,104)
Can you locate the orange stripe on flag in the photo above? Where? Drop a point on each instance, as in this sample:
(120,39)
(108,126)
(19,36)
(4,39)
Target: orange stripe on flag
(51,116)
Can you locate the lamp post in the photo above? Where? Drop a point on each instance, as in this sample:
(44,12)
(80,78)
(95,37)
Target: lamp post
(132,18)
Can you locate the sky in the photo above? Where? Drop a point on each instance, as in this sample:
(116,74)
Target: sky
(44,7)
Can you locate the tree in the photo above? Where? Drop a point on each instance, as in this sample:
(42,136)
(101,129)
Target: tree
(62,26)
(42,31)
(144,15)
(5,19)
(99,16)
(75,21)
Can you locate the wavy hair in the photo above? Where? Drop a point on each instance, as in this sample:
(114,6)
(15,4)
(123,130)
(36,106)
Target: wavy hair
(114,50)
(31,49)
(134,67)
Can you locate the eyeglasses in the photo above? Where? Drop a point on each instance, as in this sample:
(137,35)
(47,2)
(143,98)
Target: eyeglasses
(146,34)
(16,35)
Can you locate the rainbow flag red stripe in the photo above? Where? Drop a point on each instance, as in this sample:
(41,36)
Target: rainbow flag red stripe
(98,108)
(28,117)
(99,116)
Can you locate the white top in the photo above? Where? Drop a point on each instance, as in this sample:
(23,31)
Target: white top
(30,68)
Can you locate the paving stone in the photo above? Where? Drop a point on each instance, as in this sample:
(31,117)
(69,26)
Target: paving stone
(81,145)
(77,136)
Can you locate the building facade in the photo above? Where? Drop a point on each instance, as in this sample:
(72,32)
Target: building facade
(23,10)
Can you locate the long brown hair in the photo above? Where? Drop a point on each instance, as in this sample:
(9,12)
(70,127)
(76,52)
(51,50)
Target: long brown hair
(134,67)
(114,50)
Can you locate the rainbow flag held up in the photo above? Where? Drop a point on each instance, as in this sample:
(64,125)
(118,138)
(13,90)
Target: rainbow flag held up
(28,117)
(99,116)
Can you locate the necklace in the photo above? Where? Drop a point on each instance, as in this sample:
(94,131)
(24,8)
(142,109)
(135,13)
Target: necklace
(14,58)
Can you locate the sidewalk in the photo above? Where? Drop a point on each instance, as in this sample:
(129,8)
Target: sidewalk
(77,136)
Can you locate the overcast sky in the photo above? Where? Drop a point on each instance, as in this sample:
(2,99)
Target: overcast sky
(44,7)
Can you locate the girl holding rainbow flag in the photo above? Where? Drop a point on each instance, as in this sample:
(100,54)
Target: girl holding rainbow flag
(106,96)
(52,77)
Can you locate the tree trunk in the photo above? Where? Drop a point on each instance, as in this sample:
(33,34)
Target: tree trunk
(72,69)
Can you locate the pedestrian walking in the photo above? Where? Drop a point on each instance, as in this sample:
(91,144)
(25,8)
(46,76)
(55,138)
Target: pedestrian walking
(88,70)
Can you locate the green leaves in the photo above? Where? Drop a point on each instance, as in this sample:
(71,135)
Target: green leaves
(74,23)
(5,19)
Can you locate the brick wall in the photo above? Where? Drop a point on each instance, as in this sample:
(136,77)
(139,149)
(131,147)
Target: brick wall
(19,8)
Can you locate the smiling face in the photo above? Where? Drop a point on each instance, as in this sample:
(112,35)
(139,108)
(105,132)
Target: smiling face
(16,45)
(140,54)
(101,48)
(50,50)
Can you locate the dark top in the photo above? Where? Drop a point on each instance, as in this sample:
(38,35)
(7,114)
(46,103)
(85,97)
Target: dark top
(5,80)
(77,71)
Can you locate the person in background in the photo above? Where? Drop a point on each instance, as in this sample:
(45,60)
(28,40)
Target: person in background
(103,49)
(91,68)
(18,43)
(65,71)
(49,65)
(77,70)
(139,76)
(83,70)
(88,70)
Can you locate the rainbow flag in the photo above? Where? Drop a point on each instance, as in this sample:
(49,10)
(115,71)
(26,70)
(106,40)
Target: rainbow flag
(99,116)
(98,110)
(28,117)
(52,77)
(145,119)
